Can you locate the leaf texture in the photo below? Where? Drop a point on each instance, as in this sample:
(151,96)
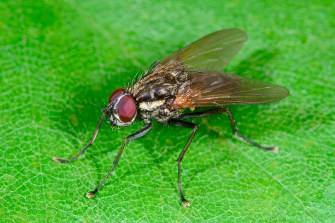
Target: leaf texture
(59,62)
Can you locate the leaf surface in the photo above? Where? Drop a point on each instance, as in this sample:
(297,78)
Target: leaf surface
(60,60)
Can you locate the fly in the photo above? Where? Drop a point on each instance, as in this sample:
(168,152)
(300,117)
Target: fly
(189,78)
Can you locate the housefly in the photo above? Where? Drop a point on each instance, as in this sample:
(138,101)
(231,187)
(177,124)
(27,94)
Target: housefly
(189,78)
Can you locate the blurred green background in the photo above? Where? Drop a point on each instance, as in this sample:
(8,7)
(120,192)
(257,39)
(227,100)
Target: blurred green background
(60,60)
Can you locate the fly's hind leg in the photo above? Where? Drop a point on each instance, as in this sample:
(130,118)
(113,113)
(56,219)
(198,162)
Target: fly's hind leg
(233,126)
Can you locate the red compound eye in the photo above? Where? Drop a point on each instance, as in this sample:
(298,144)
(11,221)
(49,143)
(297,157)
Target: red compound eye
(126,108)
(117,93)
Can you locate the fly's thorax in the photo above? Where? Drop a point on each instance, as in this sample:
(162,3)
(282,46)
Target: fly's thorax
(160,110)
(151,105)
(122,109)
(155,92)
(157,86)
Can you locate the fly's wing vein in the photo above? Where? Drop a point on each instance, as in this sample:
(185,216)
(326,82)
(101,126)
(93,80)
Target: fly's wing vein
(210,53)
(213,89)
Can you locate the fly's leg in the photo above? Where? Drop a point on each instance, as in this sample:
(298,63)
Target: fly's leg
(184,124)
(136,135)
(233,126)
(94,136)
(236,132)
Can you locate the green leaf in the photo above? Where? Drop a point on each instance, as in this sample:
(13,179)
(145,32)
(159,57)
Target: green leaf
(60,60)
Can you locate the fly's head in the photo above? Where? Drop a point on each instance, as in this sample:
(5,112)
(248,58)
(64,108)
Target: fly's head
(121,109)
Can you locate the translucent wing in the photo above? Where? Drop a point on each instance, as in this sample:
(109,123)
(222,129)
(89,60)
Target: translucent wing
(196,72)
(210,53)
(215,89)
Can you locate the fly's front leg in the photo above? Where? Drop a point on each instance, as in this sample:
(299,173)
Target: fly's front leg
(184,124)
(233,126)
(90,143)
(136,135)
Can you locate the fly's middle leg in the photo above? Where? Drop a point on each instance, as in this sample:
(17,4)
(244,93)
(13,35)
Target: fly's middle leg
(184,124)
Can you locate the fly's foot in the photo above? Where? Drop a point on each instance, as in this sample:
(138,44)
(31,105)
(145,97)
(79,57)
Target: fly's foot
(59,160)
(91,194)
(274,149)
(185,203)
